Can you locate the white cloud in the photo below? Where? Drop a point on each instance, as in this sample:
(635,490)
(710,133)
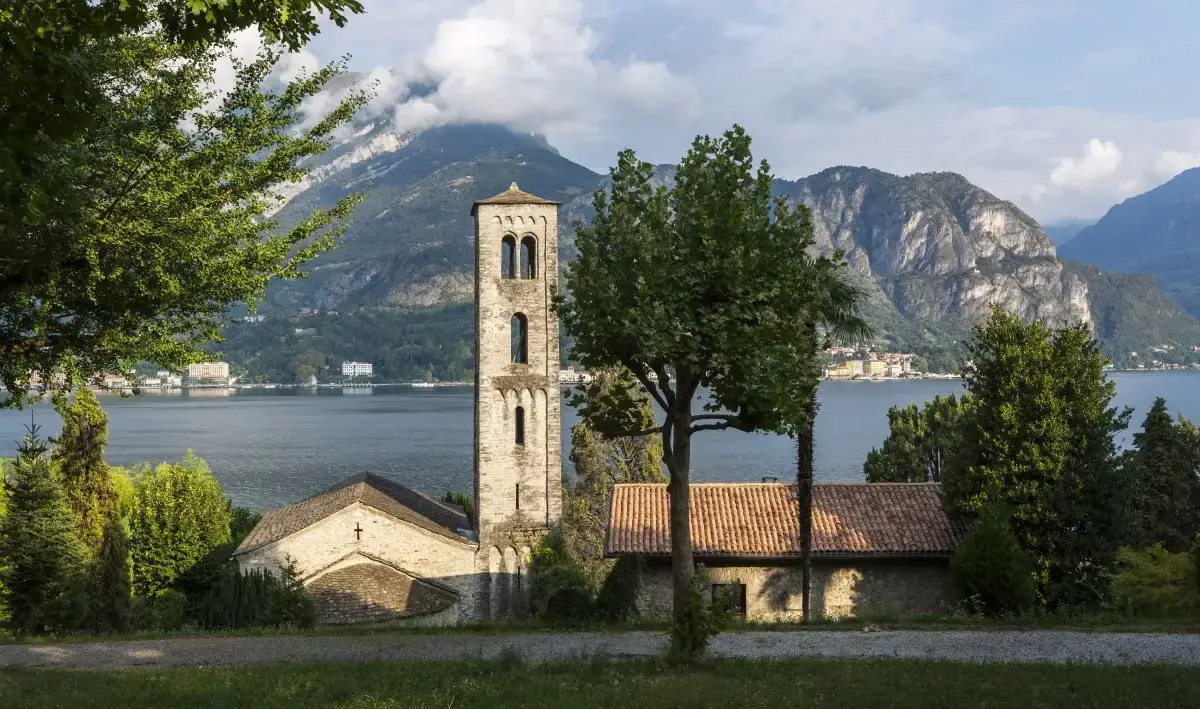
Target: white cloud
(1100,160)
(1172,162)
(901,85)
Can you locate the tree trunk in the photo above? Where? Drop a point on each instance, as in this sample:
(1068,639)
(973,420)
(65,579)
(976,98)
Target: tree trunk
(804,489)
(682,565)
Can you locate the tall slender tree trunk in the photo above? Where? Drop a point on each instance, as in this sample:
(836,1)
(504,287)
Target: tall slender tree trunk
(804,490)
(682,564)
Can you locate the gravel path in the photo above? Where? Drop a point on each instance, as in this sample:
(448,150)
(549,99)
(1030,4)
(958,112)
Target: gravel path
(971,646)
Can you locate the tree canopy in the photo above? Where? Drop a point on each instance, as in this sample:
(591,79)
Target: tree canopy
(127,237)
(921,443)
(707,284)
(1040,439)
(1163,469)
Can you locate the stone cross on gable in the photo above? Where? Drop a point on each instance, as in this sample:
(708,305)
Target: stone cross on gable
(358,530)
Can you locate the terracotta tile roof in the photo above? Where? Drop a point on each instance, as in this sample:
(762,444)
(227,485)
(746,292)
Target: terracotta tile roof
(370,593)
(761,520)
(513,195)
(387,496)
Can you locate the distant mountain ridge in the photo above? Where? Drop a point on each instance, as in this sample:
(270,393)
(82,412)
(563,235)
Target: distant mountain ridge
(933,250)
(1157,232)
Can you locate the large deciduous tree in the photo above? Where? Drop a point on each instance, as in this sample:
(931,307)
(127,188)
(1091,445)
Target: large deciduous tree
(126,237)
(1040,439)
(709,284)
(1163,468)
(921,443)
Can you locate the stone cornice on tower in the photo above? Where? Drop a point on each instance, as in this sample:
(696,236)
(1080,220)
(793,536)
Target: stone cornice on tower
(512,195)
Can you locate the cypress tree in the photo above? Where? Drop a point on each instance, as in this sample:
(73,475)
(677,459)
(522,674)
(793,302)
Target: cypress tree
(43,579)
(110,596)
(1164,477)
(79,456)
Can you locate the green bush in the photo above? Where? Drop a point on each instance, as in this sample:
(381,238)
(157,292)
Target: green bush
(462,499)
(993,574)
(257,599)
(241,522)
(617,600)
(570,604)
(179,517)
(109,593)
(555,574)
(163,610)
(1196,560)
(1155,582)
(692,629)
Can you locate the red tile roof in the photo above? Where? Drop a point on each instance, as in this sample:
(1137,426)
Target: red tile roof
(761,520)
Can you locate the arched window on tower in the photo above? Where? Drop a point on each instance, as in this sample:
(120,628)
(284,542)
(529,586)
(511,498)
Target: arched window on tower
(520,339)
(519,438)
(528,257)
(508,256)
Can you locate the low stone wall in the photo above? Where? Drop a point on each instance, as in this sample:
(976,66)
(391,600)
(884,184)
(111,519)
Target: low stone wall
(840,588)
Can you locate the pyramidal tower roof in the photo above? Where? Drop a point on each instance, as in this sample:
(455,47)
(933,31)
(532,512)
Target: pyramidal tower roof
(513,195)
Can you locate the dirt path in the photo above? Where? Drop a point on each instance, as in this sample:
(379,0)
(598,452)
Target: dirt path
(971,646)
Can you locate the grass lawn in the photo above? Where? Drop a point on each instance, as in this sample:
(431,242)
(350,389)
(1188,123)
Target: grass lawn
(777,685)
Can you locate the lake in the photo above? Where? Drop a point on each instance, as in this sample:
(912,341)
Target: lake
(274,447)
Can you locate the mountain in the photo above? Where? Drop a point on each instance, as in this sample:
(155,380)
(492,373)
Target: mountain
(1061,232)
(410,244)
(932,250)
(1157,232)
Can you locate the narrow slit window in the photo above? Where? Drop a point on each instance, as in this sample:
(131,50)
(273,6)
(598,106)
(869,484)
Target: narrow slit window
(519,438)
(518,497)
(520,339)
(528,257)
(508,257)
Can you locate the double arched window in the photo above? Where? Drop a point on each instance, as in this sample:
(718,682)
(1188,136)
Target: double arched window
(510,265)
(520,339)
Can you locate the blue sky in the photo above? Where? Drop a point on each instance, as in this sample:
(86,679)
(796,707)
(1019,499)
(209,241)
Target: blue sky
(1064,107)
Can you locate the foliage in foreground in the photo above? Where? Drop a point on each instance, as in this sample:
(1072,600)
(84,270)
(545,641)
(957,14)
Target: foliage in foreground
(707,283)
(79,457)
(165,171)
(1156,583)
(1040,438)
(921,443)
(180,517)
(1163,469)
(992,572)
(257,599)
(43,562)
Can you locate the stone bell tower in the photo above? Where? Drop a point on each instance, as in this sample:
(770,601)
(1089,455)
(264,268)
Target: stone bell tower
(518,466)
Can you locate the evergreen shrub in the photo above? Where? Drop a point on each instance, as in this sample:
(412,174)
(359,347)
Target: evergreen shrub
(163,610)
(993,574)
(257,599)
(558,585)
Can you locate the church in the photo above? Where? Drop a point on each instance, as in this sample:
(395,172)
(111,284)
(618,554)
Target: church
(371,550)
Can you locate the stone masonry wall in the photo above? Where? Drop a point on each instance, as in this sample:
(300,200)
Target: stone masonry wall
(839,589)
(418,551)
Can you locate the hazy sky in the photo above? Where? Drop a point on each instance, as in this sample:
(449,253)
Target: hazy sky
(1064,107)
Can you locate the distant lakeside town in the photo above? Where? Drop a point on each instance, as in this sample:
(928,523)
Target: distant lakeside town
(842,363)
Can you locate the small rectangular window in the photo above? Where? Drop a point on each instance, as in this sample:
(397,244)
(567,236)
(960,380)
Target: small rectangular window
(518,497)
(519,438)
(730,598)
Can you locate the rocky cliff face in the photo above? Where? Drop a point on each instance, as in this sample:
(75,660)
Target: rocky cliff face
(941,249)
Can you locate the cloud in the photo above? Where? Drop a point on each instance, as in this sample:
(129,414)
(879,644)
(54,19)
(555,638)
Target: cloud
(902,85)
(1100,160)
(1172,162)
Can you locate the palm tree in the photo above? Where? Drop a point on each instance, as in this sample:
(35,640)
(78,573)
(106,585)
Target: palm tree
(834,311)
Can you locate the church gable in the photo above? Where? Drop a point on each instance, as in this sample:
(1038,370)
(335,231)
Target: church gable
(361,588)
(386,496)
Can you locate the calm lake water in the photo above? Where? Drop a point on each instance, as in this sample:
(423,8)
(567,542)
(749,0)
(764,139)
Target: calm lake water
(274,447)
